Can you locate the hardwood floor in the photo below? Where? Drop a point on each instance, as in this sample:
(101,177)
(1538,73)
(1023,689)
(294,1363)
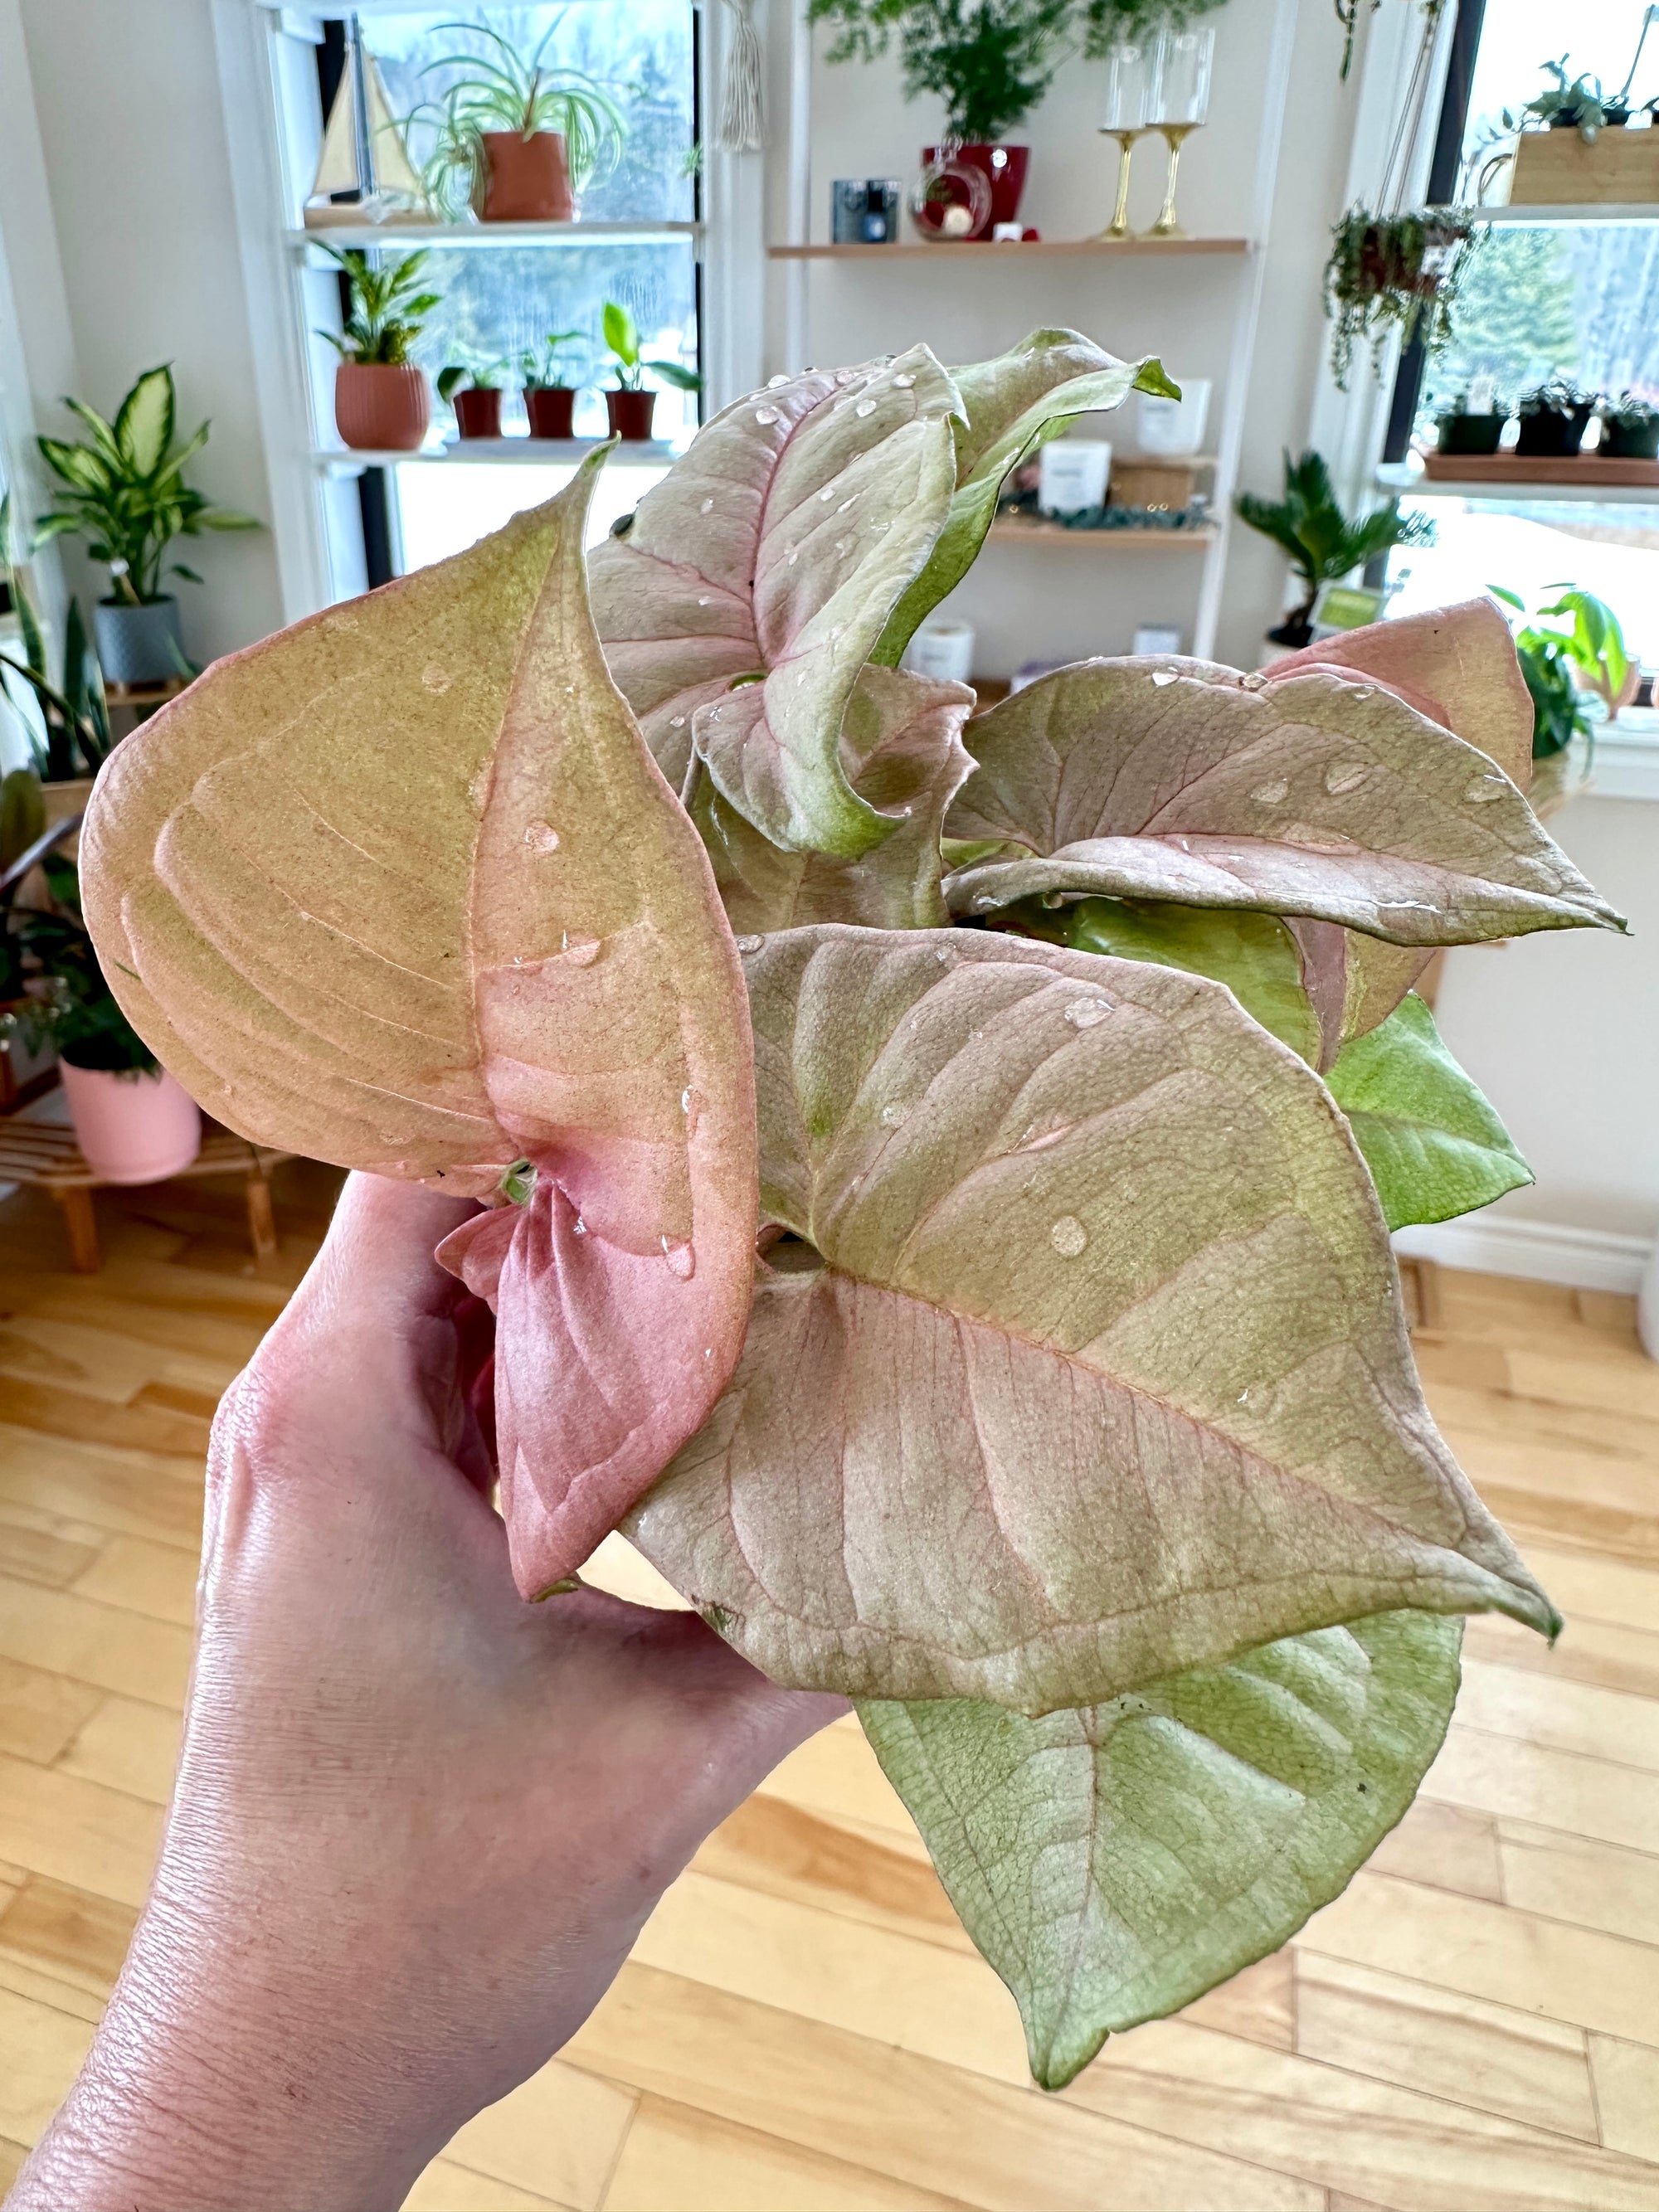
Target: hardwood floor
(1472,2026)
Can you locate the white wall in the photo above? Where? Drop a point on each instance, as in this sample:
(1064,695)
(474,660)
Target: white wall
(126,96)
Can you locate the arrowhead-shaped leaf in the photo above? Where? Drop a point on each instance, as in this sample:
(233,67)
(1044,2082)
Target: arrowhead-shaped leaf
(1010,406)
(1114,1863)
(903,753)
(776,549)
(1434,1146)
(1104,1375)
(402,888)
(1316,796)
(1456,665)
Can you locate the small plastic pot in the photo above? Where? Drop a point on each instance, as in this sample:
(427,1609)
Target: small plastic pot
(551,408)
(526,180)
(132,1127)
(478,413)
(1471,434)
(1629,441)
(630,413)
(381,406)
(1548,434)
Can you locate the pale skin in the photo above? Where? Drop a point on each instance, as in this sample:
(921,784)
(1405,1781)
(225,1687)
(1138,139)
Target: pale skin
(417,1823)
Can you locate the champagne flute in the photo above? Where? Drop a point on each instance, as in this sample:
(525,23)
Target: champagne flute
(1178,105)
(1128,92)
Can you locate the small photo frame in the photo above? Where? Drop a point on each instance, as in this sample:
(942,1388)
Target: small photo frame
(1347,606)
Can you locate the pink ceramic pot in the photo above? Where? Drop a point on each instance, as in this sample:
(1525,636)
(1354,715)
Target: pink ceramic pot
(132,1129)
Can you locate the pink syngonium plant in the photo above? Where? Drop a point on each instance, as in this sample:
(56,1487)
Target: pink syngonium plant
(1061,1066)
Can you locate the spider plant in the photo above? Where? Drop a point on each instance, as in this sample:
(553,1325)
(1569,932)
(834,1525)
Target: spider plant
(621,339)
(387,310)
(505,89)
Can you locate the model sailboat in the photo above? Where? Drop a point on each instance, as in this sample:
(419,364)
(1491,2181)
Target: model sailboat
(364,173)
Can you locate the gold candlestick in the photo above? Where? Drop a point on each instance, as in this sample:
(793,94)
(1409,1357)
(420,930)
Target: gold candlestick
(1175,135)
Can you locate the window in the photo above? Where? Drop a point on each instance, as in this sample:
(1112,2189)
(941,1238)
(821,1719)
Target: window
(1577,300)
(501,298)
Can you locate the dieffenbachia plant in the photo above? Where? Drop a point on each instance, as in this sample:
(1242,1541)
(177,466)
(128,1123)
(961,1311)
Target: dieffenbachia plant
(936,1174)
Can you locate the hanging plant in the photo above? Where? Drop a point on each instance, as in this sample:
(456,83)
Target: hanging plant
(1393,271)
(1348,14)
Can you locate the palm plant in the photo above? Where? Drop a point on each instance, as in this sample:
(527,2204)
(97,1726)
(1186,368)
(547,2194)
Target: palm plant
(1323,545)
(73,718)
(505,89)
(125,493)
(387,310)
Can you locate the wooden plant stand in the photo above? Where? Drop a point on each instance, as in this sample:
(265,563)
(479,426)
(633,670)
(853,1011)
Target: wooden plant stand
(45,1153)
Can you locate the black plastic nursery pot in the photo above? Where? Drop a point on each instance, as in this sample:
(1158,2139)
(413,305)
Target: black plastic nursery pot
(1471,434)
(1550,433)
(1630,442)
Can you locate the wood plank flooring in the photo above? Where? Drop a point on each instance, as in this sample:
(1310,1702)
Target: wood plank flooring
(1472,2026)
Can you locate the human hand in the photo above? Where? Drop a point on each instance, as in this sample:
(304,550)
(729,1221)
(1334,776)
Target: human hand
(417,1823)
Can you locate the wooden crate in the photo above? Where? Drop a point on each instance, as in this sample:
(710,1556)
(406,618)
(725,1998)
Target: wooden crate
(1166,484)
(1559,168)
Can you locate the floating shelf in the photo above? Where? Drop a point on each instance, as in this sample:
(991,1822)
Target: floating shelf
(980,249)
(1584,482)
(1056,533)
(512,452)
(1595,211)
(472,236)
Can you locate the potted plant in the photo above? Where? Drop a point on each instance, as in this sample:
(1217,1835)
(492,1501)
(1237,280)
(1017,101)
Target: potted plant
(1387,273)
(521,137)
(549,401)
(631,406)
(125,492)
(1324,546)
(1463,431)
(24,1070)
(381,403)
(133,1122)
(1630,429)
(65,724)
(1583,152)
(475,396)
(1553,419)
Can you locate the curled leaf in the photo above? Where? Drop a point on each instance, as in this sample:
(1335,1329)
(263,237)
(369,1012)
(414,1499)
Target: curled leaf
(1314,796)
(903,753)
(1103,1375)
(402,888)
(1112,1864)
(1010,406)
(775,552)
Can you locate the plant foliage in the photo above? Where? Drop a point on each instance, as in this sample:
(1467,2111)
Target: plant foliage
(1323,543)
(963,1282)
(1391,273)
(622,339)
(124,490)
(1563,667)
(386,307)
(68,731)
(504,89)
(68,1004)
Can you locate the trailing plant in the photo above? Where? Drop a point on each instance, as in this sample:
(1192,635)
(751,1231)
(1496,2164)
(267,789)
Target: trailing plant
(622,339)
(990,61)
(543,370)
(1108,23)
(892,1223)
(124,491)
(387,309)
(68,1004)
(67,732)
(1324,546)
(1348,13)
(1562,667)
(504,89)
(1388,273)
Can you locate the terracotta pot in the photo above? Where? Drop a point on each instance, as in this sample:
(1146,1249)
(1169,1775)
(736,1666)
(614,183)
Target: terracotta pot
(478,413)
(630,413)
(132,1129)
(381,407)
(1005,167)
(526,180)
(551,408)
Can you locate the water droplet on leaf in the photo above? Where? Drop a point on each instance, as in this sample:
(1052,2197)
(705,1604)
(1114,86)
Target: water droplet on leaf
(542,837)
(1085,1013)
(1163,676)
(827,493)
(773,382)
(865,407)
(1068,1237)
(1345,775)
(894,1116)
(682,1260)
(766,415)
(579,1227)
(677,721)
(1483,789)
(904,382)
(750,944)
(708,507)
(581,951)
(436,679)
(1269,794)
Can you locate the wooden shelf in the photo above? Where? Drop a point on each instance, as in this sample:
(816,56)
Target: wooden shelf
(477,236)
(1010,532)
(978,248)
(1581,478)
(512,452)
(1593,211)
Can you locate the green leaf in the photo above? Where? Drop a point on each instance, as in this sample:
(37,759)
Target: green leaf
(1103,1375)
(620,333)
(1317,796)
(1253,954)
(1012,404)
(79,466)
(143,427)
(1112,1864)
(781,542)
(1434,1146)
